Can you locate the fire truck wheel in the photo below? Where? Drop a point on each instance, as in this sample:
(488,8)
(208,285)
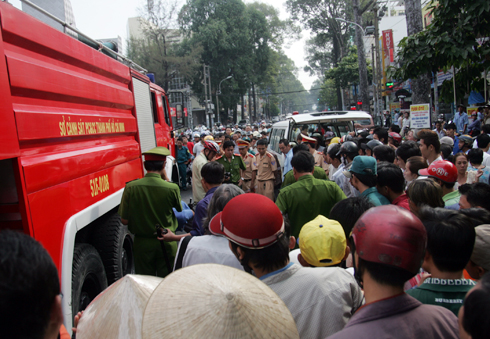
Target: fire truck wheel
(88,276)
(115,246)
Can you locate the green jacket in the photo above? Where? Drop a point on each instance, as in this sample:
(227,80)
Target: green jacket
(318,173)
(149,201)
(233,167)
(448,293)
(375,197)
(305,199)
(451,198)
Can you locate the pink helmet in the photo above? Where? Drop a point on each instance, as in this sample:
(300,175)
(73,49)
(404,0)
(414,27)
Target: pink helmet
(390,235)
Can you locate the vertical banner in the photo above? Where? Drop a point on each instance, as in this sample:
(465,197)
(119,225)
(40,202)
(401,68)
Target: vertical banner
(419,116)
(388,44)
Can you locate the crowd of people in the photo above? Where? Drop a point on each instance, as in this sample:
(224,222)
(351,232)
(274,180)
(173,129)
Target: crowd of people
(371,235)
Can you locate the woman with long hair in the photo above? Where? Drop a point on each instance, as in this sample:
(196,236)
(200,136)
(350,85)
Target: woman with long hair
(461,162)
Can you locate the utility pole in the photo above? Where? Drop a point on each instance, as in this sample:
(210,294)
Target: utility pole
(375,83)
(361,57)
(206,103)
(207,97)
(379,92)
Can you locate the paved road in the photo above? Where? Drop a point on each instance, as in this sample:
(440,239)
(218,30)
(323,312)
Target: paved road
(186,195)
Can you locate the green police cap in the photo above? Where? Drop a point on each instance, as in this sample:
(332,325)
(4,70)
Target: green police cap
(156,154)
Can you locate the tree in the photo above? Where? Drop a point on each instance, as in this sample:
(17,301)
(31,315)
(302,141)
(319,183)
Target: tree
(452,39)
(327,95)
(235,39)
(347,71)
(420,84)
(331,41)
(160,51)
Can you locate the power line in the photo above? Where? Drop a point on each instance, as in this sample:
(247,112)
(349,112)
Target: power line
(276,93)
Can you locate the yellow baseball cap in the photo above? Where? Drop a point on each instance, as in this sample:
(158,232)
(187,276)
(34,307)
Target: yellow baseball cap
(322,242)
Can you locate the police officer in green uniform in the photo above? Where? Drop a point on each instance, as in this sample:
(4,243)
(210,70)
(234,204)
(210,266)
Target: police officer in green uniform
(318,172)
(146,202)
(232,163)
(308,196)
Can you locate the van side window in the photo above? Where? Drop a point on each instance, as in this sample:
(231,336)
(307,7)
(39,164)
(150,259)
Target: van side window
(154,107)
(276,135)
(165,110)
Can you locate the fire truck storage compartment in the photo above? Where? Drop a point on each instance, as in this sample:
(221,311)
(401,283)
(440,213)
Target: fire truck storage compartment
(144,114)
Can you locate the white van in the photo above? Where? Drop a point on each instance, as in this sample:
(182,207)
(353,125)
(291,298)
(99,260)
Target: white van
(339,122)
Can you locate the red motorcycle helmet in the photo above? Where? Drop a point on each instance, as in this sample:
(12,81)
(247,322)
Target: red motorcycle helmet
(211,145)
(257,230)
(391,235)
(397,137)
(443,170)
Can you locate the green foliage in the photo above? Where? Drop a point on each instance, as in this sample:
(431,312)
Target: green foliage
(236,39)
(452,39)
(347,71)
(327,95)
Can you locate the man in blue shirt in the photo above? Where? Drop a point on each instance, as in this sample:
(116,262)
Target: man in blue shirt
(451,132)
(461,120)
(213,174)
(287,150)
(362,175)
(183,158)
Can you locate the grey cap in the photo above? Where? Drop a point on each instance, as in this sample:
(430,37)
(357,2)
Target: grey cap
(447,141)
(481,251)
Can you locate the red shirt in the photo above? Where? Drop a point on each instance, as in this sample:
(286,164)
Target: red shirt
(402,201)
(190,146)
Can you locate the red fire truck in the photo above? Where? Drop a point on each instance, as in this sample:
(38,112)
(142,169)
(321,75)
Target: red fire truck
(74,123)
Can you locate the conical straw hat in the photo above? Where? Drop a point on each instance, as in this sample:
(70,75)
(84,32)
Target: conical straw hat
(215,301)
(117,312)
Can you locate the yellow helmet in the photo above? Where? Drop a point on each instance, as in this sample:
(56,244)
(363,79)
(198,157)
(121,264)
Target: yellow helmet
(335,140)
(208,137)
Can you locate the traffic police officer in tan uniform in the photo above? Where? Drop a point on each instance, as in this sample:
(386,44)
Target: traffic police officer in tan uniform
(318,156)
(248,159)
(264,169)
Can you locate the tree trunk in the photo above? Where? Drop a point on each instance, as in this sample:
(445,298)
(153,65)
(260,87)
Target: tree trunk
(255,104)
(420,85)
(361,57)
(243,107)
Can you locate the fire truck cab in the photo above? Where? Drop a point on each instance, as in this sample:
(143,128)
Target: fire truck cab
(75,123)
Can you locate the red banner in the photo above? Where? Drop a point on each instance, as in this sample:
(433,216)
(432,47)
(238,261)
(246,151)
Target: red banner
(388,43)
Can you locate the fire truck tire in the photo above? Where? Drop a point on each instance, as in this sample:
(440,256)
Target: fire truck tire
(88,276)
(115,246)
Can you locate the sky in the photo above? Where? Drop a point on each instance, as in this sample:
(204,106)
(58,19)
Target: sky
(101,19)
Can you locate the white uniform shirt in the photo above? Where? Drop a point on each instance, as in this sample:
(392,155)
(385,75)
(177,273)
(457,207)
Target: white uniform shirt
(198,147)
(344,183)
(208,249)
(321,299)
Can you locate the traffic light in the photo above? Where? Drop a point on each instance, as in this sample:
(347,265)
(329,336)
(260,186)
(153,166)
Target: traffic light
(389,85)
